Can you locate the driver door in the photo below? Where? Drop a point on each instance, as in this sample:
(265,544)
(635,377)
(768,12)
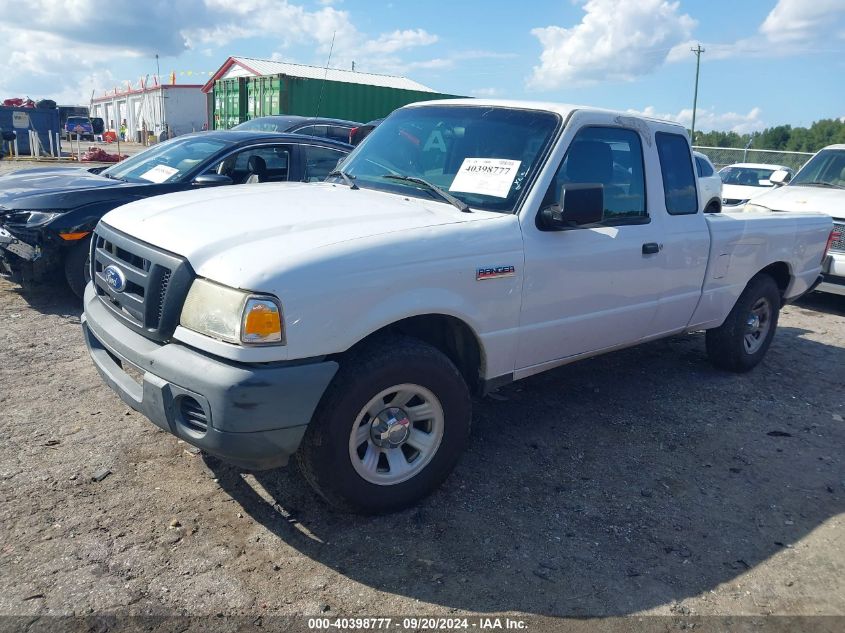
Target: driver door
(596,287)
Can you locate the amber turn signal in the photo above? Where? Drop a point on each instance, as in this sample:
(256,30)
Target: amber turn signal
(262,322)
(73,237)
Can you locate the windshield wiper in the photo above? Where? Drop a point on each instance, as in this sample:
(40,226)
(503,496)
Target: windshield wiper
(346,178)
(445,195)
(821,183)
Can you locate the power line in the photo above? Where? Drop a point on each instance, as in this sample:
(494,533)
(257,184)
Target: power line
(698,51)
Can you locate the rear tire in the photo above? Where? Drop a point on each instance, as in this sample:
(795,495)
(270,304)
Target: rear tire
(405,448)
(77,269)
(742,341)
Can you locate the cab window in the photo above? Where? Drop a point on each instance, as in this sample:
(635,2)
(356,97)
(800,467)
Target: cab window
(678,176)
(613,158)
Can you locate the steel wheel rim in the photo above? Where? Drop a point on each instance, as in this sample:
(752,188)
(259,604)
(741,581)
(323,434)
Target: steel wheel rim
(757,325)
(383,449)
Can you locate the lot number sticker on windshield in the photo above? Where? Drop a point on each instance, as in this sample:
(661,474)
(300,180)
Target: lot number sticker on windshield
(487,176)
(159,173)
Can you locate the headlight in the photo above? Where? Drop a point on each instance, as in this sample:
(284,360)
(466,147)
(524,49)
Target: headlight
(232,315)
(32,218)
(756,208)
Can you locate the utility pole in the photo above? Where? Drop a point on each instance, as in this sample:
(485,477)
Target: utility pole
(698,51)
(161,98)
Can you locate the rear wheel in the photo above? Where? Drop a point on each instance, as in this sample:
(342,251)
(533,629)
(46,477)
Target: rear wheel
(389,429)
(742,341)
(77,269)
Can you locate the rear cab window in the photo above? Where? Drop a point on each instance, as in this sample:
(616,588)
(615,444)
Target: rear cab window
(679,187)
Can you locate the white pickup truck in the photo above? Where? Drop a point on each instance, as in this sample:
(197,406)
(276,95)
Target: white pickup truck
(819,187)
(465,244)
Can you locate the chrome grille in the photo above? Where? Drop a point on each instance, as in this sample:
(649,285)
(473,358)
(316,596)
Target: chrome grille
(156,282)
(839,243)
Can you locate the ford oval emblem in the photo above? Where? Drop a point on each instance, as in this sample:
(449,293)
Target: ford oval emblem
(115,278)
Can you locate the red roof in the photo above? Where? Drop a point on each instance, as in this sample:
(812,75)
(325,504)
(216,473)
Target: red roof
(231,61)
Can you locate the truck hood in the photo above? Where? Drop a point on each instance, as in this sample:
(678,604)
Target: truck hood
(742,192)
(228,232)
(805,199)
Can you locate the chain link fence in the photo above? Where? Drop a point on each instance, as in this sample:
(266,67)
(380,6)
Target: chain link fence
(723,156)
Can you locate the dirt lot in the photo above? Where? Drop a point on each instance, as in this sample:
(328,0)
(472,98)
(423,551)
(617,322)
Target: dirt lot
(641,482)
(8,165)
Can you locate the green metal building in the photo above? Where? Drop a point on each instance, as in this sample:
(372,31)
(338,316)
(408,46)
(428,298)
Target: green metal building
(244,88)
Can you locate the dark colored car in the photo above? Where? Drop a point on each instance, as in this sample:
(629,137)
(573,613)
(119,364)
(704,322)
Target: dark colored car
(335,129)
(47,215)
(358,134)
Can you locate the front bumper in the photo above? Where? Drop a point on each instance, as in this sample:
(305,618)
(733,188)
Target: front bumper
(256,414)
(20,248)
(833,274)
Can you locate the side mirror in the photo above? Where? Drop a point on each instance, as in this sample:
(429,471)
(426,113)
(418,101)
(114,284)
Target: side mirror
(780,177)
(211,180)
(581,204)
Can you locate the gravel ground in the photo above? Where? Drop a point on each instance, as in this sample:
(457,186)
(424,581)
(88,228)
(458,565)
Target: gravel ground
(644,481)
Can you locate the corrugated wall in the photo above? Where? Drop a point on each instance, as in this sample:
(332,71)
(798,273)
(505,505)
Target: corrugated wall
(237,100)
(229,103)
(356,102)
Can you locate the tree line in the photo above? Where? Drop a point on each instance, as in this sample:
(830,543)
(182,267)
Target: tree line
(781,137)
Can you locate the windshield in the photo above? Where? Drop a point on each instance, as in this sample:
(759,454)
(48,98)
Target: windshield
(746,176)
(168,162)
(484,156)
(268,124)
(826,167)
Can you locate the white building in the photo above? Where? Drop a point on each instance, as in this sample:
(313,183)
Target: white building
(181,108)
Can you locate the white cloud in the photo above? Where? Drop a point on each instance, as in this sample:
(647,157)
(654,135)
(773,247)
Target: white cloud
(615,40)
(794,21)
(399,40)
(59,47)
(485,92)
(792,27)
(707,119)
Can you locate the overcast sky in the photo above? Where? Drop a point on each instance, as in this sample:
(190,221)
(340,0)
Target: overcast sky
(767,62)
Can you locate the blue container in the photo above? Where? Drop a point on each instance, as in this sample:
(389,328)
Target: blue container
(44,121)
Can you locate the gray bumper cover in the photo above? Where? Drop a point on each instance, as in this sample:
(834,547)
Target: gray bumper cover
(257,414)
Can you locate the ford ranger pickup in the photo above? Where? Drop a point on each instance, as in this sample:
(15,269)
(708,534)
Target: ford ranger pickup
(465,244)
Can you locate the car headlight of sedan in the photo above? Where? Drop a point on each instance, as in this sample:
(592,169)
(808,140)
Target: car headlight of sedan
(233,315)
(32,219)
(756,208)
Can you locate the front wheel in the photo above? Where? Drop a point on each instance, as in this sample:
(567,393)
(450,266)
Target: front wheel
(389,429)
(77,267)
(741,342)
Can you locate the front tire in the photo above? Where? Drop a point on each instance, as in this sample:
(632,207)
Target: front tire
(389,429)
(77,269)
(742,341)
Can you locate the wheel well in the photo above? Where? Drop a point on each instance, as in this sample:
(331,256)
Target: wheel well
(716,204)
(778,271)
(450,335)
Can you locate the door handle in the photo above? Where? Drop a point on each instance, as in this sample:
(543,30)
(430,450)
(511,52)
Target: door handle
(652,248)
